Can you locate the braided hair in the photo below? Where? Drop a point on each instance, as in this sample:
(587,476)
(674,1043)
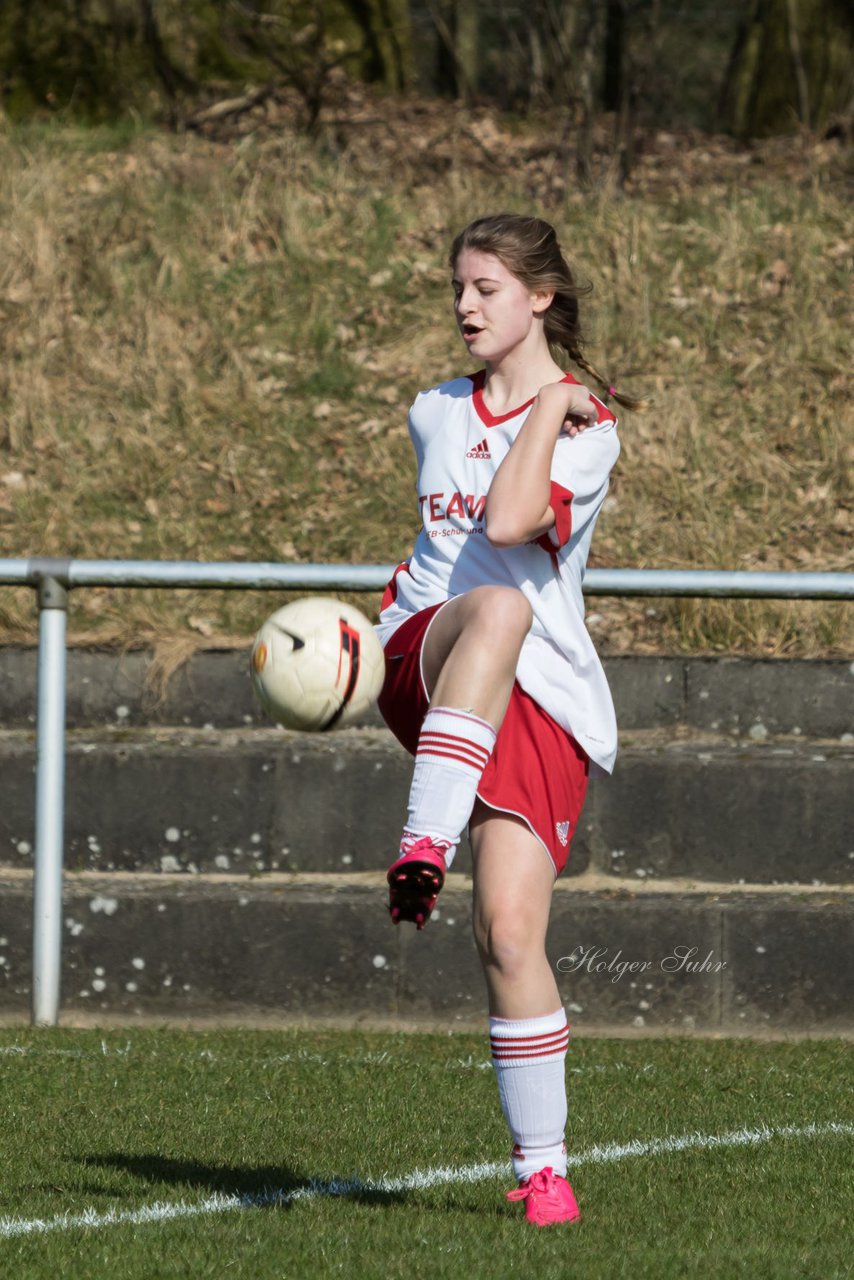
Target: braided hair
(529,248)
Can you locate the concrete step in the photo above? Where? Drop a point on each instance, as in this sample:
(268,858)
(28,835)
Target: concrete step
(627,957)
(238,871)
(702,807)
(722,695)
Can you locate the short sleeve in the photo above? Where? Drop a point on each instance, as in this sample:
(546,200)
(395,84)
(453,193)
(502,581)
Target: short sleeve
(579,479)
(561,504)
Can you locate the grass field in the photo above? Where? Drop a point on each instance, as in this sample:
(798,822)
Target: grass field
(153,1153)
(212,342)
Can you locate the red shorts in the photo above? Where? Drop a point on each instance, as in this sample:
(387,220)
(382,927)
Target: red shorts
(537,771)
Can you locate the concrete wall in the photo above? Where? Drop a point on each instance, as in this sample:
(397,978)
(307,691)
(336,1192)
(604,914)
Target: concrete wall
(217,866)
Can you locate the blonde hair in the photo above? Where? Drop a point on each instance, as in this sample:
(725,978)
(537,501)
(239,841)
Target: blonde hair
(528,247)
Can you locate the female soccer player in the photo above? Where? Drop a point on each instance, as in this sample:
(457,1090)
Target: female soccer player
(492,681)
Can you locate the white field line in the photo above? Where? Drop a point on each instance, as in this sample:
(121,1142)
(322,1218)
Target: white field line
(417,1180)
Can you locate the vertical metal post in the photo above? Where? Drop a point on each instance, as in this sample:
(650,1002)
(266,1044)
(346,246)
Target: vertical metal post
(50,802)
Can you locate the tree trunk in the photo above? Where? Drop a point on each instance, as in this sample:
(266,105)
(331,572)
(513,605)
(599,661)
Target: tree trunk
(400,67)
(588,41)
(466,46)
(790,66)
(385,28)
(170,76)
(615,41)
(456,24)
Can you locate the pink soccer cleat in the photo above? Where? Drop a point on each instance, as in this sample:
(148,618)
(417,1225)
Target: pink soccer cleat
(415,879)
(548,1198)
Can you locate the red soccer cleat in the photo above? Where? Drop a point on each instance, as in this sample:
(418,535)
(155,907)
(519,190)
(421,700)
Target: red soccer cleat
(548,1198)
(415,879)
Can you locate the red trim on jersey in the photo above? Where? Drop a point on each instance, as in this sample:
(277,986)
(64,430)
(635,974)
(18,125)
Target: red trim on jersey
(560,501)
(487,418)
(390,593)
(491,420)
(604,413)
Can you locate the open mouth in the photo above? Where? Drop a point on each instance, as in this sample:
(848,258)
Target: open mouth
(471,330)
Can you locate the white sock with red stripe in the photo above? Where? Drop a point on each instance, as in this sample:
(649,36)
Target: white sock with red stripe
(528,1055)
(453,750)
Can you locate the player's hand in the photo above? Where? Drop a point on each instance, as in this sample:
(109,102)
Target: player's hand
(573,401)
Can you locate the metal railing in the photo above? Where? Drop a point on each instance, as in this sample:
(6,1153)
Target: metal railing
(52,579)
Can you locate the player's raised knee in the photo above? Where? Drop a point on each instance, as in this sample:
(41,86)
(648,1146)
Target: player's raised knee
(501,610)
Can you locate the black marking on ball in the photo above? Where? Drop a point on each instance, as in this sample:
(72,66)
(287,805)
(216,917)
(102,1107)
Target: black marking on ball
(352,645)
(298,641)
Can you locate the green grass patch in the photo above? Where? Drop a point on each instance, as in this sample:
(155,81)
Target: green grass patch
(117,1121)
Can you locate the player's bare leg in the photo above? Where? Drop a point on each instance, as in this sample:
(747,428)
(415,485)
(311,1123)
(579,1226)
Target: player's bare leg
(471,650)
(513,881)
(469,662)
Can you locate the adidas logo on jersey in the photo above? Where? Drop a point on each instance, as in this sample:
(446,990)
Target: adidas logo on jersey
(480,450)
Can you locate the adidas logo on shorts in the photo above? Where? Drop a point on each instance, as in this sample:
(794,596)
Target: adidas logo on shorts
(480,450)
(562,829)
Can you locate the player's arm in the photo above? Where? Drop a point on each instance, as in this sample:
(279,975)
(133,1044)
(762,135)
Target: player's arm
(518,505)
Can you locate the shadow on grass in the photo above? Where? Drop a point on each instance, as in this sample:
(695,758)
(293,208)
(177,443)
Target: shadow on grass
(264,1186)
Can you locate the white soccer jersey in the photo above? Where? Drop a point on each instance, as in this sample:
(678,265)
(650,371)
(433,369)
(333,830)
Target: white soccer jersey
(459,445)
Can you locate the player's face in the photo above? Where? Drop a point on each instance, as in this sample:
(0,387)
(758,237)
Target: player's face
(495,312)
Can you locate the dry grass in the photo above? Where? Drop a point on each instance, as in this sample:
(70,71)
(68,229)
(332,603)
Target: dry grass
(210,345)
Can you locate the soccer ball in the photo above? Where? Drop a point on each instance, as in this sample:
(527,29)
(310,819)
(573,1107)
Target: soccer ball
(317,664)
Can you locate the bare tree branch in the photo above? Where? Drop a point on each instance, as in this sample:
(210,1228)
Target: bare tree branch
(228,107)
